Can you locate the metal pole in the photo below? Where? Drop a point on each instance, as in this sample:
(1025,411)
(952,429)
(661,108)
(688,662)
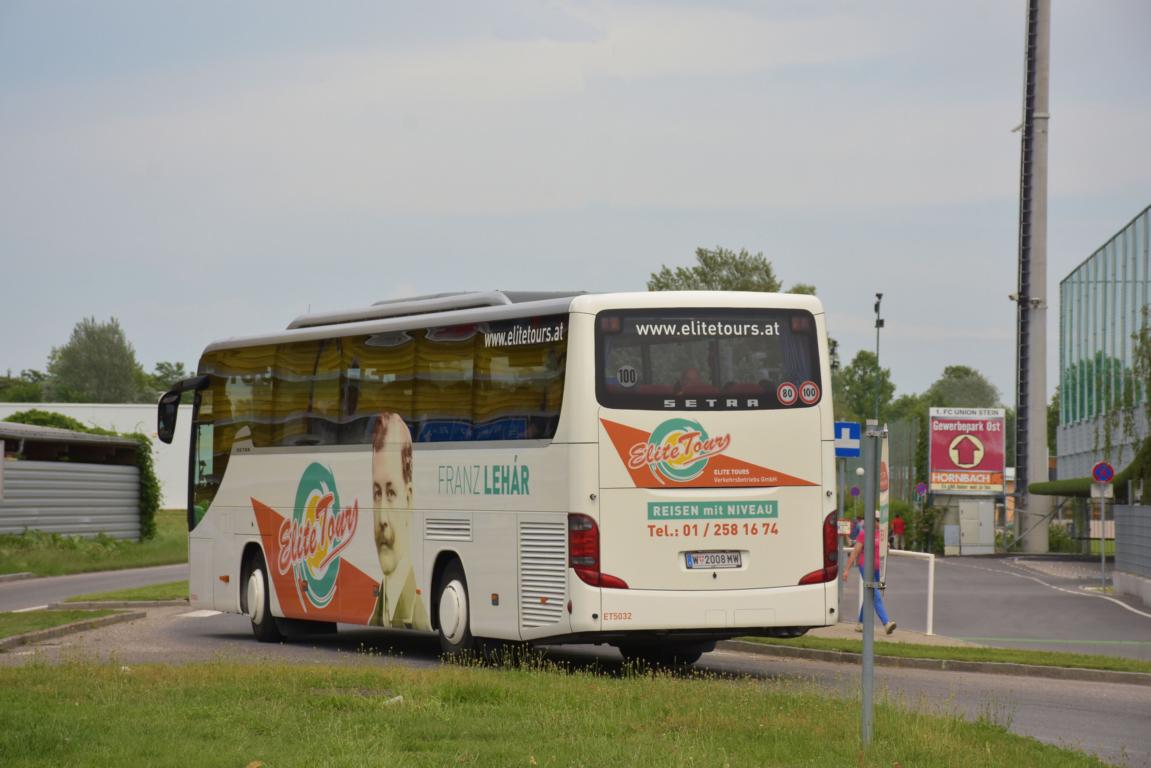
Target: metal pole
(931,595)
(1102,538)
(839,549)
(871,449)
(1031,297)
(878,381)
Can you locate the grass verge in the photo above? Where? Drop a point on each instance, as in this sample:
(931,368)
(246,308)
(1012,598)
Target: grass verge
(30,621)
(953,653)
(172,590)
(535,715)
(46,554)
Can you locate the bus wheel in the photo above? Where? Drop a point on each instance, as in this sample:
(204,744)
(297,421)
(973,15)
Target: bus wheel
(259,602)
(453,620)
(662,655)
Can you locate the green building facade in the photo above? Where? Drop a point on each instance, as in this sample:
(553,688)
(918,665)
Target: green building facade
(1103,303)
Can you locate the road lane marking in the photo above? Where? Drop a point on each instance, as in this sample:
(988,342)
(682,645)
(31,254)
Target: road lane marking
(26,610)
(199,614)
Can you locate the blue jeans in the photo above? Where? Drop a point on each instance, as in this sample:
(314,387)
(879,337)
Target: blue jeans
(880,610)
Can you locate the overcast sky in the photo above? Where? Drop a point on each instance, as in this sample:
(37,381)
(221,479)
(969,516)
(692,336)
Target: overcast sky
(210,169)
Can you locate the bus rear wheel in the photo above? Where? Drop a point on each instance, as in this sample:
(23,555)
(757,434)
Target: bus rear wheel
(453,618)
(259,602)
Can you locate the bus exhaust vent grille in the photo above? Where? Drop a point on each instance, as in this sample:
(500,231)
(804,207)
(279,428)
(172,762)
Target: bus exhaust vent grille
(543,573)
(448,529)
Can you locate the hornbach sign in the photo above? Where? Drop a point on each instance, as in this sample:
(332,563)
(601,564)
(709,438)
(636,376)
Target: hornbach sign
(967,451)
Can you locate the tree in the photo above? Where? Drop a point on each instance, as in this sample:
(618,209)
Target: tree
(962,387)
(28,387)
(164,375)
(723,270)
(97,365)
(718,270)
(860,380)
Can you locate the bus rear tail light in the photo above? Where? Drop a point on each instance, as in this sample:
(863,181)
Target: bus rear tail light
(830,569)
(583,553)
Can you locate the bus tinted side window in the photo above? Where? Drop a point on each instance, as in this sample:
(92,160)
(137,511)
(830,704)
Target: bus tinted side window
(519,379)
(443,402)
(378,375)
(493,381)
(307,393)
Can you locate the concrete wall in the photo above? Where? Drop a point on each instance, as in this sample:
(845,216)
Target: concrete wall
(69,497)
(171,461)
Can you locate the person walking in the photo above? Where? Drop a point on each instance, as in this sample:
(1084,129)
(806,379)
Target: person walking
(856,556)
(898,527)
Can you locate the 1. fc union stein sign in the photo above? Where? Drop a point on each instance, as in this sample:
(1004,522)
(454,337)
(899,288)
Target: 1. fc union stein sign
(967,450)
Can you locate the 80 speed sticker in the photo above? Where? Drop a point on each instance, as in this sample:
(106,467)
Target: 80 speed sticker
(787,393)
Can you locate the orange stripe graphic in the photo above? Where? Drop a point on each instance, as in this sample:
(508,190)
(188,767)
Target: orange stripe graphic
(721,470)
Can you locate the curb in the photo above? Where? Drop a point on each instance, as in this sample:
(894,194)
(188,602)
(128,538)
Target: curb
(117,604)
(68,629)
(16,576)
(943,665)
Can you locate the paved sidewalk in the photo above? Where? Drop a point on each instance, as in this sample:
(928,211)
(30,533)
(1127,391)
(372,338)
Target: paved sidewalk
(846,631)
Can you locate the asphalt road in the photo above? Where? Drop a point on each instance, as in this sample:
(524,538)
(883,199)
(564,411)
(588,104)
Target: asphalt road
(1049,604)
(32,593)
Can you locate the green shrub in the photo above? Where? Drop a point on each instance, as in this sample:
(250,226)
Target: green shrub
(149,483)
(1059,540)
(922,530)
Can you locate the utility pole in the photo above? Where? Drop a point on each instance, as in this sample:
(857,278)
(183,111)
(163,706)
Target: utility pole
(1031,298)
(878,380)
(872,447)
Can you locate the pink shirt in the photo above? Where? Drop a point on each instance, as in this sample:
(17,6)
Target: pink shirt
(878,543)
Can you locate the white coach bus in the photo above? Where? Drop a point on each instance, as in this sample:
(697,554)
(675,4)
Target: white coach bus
(649,470)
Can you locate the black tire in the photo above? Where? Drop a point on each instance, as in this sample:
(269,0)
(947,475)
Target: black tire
(453,612)
(259,601)
(665,655)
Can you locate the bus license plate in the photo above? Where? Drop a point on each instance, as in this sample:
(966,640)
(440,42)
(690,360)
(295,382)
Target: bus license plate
(714,559)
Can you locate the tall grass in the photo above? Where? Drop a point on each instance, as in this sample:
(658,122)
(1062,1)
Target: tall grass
(226,714)
(50,554)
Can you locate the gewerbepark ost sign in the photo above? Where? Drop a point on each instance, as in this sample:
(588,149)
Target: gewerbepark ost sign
(967,450)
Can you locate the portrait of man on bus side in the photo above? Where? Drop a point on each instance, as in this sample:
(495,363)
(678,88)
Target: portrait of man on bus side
(398,604)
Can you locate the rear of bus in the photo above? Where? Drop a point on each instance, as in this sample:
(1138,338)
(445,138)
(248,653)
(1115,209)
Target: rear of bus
(715,514)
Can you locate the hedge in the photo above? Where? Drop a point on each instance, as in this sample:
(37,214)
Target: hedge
(1138,469)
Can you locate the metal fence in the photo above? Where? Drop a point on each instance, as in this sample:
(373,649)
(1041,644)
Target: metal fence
(71,498)
(1133,539)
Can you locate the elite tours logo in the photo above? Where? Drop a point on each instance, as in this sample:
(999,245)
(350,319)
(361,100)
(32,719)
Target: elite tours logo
(678,450)
(312,539)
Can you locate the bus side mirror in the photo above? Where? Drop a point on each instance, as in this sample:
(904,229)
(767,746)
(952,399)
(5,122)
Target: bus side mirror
(167,410)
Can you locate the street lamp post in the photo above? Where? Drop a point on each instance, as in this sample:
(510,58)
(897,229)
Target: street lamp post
(878,379)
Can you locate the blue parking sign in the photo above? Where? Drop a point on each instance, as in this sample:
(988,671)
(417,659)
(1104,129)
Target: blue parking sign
(848,440)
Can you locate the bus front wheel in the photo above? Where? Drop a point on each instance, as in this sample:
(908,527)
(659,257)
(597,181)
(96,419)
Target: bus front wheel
(260,602)
(453,617)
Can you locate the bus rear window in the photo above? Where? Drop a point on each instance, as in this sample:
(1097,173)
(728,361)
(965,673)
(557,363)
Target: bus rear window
(707,359)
